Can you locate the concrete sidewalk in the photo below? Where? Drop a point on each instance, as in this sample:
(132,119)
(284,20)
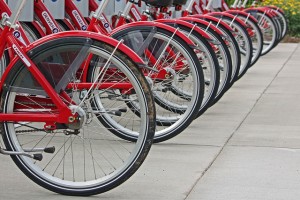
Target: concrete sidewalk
(247,146)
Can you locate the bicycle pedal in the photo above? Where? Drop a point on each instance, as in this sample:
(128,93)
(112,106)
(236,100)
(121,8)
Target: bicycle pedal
(165,89)
(207,82)
(49,150)
(38,157)
(123,110)
(117,113)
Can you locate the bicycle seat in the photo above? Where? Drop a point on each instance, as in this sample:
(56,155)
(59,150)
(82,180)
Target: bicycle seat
(159,3)
(179,2)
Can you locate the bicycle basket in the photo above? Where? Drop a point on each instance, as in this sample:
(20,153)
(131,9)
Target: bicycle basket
(159,3)
(179,2)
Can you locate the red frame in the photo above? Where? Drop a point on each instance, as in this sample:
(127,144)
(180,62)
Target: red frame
(61,112)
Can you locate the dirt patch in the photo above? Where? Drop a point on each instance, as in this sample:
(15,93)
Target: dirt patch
(290,39)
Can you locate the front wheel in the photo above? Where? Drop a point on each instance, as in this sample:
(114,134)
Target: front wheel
(82,158)
(179,93)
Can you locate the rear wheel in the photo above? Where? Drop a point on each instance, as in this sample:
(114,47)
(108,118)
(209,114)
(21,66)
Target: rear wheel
(84,157)
(210,67)
(283,22)
(268,29)
(31,33)
(243,39)
(255,36)
(178,83)
(224,60)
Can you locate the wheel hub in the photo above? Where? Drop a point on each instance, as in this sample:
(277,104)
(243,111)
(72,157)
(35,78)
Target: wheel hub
(80,118)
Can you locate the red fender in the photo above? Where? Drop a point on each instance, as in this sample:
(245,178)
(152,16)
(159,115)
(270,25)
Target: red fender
(214,19)
(262,10)
(102,38)
(186,24)
(201,21)
(269,10)
(228,15)
(238,12)
(155,24)
(276,8)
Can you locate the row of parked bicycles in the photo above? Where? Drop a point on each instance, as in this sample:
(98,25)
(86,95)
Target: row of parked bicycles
(83,99)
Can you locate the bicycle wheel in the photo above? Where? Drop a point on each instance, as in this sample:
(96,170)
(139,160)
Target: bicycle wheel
(283,21)
(224,60)
(233,48)
(179,92)
(210,66)
(30,31)
(82,158)
(268,29)
(279,29)
(243,39)
(255,36)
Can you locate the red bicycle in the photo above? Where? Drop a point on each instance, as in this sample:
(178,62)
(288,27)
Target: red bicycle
(50,113)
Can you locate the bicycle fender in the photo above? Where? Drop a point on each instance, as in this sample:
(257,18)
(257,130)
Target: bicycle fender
(221,14)
(75,34)
(276,9)
(238,12)
(266,11)
(214,19)
(86,34)
(201,21)
(158,25)
(186,24)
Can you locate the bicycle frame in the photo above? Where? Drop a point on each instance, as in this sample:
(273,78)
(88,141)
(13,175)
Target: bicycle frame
(10,41)
(100,24)
(21,52)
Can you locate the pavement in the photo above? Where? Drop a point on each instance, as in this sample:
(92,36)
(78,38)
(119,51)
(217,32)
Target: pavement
(246,147)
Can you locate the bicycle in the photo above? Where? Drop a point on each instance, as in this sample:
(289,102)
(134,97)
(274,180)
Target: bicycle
(50,114)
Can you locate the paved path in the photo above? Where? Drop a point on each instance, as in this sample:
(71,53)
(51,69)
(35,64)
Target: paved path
(245,147)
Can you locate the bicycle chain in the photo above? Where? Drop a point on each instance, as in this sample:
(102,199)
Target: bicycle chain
(31,131)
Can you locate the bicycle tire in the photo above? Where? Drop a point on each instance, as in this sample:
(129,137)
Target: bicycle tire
(268,29)
(256,38)
(171,117)
(283,22)
(233,54)
(210,66)
(243,39)
(30,31)
(224,58)
(86,162)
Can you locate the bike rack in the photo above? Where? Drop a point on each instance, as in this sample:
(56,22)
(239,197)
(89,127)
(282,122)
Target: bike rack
(27,12)
(57,8)
(217,4)
(83,7)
